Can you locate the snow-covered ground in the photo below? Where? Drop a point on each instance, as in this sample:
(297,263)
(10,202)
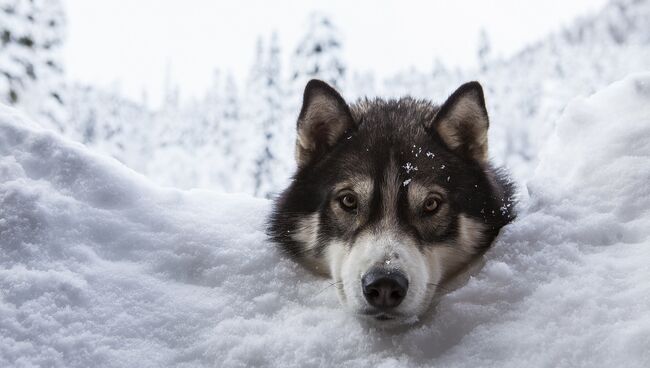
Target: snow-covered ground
(100,267)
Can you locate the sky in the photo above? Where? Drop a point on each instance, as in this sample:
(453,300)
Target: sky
(134,46)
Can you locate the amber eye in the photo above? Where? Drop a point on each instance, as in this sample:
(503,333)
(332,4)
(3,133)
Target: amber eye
(430,205)
(348,202)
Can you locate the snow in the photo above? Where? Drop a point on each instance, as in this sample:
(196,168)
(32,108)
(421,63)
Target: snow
(101,267)
(244,132)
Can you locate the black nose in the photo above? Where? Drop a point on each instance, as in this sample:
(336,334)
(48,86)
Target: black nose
(384,289)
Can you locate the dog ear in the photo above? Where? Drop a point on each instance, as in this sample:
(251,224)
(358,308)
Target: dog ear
(462,122)
(323,119)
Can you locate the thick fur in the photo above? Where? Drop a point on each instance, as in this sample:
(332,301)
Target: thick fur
(393,155)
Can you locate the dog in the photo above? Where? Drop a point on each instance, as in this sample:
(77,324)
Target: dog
(391,199)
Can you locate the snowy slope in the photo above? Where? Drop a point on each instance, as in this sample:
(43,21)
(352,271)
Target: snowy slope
(99,267)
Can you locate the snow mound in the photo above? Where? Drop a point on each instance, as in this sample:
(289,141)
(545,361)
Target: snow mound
(99,267)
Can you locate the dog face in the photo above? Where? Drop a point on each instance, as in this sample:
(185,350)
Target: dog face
(391,199)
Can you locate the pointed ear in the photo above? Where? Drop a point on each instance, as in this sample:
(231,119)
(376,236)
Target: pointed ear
(462,122)
(323,119)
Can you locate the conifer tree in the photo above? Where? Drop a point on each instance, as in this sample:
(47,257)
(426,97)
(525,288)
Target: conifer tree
(31,72)
(266,173)
(318,54)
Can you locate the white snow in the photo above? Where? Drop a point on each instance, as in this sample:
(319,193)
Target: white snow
(410,167)
(100,267)
(243,130)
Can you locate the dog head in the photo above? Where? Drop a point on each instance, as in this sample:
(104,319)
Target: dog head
(391,199)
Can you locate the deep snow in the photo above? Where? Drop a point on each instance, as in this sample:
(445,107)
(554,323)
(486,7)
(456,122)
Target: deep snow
(99,267)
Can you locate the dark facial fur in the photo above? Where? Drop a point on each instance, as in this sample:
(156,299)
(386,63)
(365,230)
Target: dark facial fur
(397,158)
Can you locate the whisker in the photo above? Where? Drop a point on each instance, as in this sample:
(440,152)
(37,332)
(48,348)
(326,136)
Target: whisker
(439,286)
(337,284)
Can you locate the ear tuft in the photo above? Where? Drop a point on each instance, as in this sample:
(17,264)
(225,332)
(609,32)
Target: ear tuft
(323,119)
(462,122)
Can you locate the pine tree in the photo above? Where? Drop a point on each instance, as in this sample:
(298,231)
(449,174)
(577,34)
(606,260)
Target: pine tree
(212,113)
(266,166)
(230,114)
(31,73)
(171,90)
(318,55)
(246,137)
(484,52)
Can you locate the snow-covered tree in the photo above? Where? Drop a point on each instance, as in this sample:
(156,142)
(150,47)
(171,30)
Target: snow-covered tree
(218,120)
(484,50)
(230,114)
(318,54)
(110,124)
(267,164)
(211,111)
(171,90)
(242,139)
(31,72)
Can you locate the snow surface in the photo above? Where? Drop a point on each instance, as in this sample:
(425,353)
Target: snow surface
(100,267)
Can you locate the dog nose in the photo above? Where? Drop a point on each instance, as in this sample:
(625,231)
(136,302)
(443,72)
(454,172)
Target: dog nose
(384,289)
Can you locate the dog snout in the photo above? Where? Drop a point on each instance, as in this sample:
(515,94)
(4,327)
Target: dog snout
(384,289)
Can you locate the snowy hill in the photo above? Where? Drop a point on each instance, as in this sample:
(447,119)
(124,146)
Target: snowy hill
(100,267)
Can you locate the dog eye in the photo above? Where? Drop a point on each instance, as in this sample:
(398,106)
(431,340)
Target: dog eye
(348,201)
(430,205)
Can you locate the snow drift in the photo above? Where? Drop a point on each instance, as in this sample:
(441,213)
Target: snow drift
(99,267)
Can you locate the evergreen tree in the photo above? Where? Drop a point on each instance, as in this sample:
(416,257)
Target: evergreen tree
(484,51)
(246,137)
(266,166)
(318,55)
(31,73)
(230,114)
(212,113)
(171,97)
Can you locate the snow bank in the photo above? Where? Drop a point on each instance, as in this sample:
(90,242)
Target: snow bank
(99,267)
